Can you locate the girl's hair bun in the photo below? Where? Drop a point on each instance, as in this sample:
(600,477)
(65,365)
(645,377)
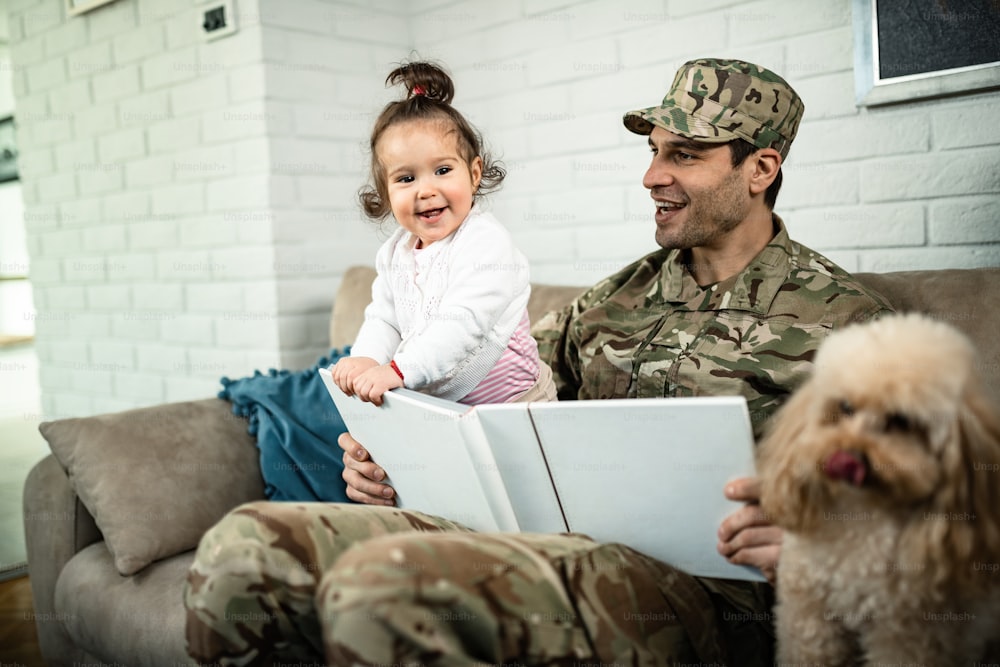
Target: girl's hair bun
(423,79)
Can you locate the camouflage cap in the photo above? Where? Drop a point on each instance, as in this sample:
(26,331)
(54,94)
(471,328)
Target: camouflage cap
(716,101)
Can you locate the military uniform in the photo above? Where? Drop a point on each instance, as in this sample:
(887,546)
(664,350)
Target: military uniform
(277,583)
(651,331)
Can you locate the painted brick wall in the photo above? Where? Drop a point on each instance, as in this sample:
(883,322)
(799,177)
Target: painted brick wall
(325,63)
(191,205)
(106,157)
(913,186)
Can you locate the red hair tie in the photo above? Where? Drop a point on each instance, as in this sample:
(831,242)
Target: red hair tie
(419,90)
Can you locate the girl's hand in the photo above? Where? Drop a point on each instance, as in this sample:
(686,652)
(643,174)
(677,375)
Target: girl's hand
(347,370)
(370,385)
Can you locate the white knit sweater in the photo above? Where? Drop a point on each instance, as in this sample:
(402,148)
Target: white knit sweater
(445,313)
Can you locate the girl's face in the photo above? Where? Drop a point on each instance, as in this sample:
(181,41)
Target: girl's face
(430,185)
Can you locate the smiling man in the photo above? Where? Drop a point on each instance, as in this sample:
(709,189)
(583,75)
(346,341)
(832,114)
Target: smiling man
(728,306)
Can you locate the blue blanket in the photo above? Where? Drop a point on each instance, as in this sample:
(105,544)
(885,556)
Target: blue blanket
(296,425)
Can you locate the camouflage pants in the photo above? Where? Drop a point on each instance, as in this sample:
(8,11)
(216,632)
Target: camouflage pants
(313,584)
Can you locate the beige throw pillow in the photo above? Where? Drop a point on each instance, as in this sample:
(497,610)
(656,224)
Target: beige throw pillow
(155,479)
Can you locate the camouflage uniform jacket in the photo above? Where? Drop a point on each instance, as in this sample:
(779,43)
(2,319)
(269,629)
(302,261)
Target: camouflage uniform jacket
(651,331)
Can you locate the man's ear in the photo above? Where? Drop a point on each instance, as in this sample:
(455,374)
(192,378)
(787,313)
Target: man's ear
(764,166)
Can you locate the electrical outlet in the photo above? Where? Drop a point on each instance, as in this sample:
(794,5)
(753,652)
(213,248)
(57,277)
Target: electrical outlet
(216,19)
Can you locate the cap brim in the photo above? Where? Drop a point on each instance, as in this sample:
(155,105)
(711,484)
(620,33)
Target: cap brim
(635,121)
(673,119)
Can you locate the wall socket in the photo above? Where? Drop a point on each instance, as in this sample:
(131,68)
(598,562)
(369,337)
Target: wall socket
(216,19)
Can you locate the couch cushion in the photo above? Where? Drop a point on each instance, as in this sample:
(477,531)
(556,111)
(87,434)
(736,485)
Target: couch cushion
(137,620)
(155,479)
(546,298)
(963,298)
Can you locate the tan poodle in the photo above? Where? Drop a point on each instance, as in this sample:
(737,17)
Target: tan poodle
(884,471)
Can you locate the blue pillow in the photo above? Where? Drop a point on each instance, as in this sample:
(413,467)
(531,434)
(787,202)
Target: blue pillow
(296,425)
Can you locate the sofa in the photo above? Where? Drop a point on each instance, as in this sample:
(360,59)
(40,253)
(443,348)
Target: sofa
(113,514)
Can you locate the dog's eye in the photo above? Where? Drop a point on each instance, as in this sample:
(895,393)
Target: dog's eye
(895,421)
(837,410)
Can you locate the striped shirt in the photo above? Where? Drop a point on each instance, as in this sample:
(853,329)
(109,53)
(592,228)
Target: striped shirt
(515,372)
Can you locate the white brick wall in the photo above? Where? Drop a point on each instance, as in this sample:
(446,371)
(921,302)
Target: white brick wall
(912,186)
(132,130)
(190,206)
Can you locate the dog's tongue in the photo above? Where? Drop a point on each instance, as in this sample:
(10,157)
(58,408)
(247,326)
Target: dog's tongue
(846,465)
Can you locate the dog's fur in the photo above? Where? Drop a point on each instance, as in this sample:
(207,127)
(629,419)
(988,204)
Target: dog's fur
(884,471)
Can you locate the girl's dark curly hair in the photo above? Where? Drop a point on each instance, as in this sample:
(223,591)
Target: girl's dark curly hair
(429,91)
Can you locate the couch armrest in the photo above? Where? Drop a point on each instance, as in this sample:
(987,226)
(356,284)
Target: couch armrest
(155,479)
(56,527)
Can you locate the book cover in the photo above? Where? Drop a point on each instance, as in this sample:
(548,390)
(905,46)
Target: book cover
(648,473)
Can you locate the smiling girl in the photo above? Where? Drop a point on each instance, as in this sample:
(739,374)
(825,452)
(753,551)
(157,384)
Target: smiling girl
(448,314)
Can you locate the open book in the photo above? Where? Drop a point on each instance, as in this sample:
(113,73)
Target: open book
(648,473)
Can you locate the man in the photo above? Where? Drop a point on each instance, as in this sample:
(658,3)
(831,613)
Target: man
(729,305)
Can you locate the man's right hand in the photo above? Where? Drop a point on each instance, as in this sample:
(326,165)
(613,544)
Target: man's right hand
(363,476)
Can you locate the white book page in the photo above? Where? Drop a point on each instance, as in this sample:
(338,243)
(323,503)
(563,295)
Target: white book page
(491,475)
(650,473)
(419,442)
(521,466)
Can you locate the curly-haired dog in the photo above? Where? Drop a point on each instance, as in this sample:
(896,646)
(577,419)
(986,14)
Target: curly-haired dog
(884,471)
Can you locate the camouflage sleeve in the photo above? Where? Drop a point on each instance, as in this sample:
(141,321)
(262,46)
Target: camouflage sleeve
(555,340)
(855,306)
(552,334)
(846,300)
(876,311)
(858,310)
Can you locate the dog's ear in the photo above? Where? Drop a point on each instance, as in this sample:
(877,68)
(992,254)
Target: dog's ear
(979,435)
(786,476)
(962,528)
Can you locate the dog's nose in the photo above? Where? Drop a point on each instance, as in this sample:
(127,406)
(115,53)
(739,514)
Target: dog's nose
(847,465)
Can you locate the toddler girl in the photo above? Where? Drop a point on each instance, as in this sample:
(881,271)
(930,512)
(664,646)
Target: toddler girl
(448,315)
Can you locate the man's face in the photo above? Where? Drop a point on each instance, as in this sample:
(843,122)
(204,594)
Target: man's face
(700,197)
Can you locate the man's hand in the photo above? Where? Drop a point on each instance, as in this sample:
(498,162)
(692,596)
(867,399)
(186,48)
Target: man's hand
(747,537)
(370,385)
(363,476)
(347,370)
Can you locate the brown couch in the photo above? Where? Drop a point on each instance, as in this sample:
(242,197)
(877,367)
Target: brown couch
(112,516)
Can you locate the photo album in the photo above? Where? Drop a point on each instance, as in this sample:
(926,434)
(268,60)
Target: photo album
(648,472)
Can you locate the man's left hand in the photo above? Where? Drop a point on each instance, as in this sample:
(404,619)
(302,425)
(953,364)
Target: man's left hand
(747,537)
